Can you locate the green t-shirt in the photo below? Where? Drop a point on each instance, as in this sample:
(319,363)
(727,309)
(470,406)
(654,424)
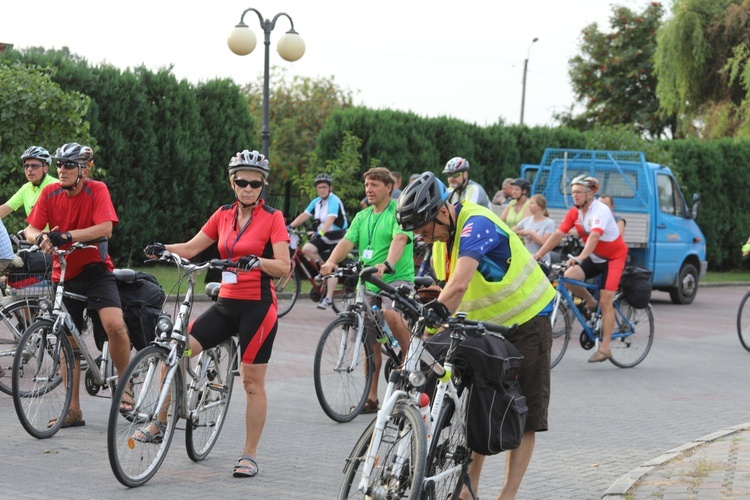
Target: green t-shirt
(372,234)
(28,195)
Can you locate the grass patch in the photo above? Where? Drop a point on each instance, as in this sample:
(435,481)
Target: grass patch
(167,276)
(723,277)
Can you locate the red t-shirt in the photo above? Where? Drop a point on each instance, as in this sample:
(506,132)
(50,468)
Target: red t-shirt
(266,228)
(90,207)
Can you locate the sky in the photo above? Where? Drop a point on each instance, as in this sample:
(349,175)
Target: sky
(434,58)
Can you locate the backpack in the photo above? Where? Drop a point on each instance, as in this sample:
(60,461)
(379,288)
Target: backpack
(636,286)
(489,365)
(142,299)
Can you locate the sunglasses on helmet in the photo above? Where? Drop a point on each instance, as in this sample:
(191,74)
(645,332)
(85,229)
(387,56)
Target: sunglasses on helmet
(67,165)
(244,183)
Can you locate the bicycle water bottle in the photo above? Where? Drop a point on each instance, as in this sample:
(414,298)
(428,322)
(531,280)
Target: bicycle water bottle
(386,329)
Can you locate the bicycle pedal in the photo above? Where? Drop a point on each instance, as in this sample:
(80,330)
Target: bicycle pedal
(217,387)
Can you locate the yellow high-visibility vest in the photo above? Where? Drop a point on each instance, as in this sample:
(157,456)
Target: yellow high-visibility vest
(522,293)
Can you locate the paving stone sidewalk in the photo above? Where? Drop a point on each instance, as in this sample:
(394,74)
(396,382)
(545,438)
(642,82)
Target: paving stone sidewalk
(713,466)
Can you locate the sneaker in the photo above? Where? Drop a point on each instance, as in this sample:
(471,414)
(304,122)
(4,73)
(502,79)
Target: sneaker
(325,304)
(600,356)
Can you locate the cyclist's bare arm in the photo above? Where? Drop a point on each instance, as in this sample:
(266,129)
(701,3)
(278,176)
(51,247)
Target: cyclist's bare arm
(339,253)
(280,264)
(301,219)
(191,248)
(590,246)
(551,243)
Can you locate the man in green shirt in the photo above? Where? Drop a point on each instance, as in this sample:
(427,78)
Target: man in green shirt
(379,239)
(36,162)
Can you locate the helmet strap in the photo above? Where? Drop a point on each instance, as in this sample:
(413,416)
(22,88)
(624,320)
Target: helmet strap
(78,179)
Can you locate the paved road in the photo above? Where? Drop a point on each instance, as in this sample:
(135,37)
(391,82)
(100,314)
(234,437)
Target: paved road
(605,421)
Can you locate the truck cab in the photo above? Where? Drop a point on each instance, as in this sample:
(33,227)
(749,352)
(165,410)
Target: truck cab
(661,231)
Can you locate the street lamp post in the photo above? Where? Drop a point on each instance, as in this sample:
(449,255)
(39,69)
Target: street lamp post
(291,47)
(525,67)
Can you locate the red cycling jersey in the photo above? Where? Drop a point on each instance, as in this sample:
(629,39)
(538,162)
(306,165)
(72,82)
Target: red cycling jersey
(91,206)
(266,227)
(598,219)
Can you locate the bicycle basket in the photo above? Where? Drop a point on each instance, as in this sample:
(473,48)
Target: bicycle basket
(30,283)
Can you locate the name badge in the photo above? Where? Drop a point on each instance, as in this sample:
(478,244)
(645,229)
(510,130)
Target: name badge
(228,277)
(367,254)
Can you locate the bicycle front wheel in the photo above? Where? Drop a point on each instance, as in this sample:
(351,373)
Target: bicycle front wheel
(633,334)
(560,332)
(287,291)
(398,470)
(343,295)
(743,322)
(342,370)
(449,454)
(15,318)
(134,456)
(208,399)
(42,379)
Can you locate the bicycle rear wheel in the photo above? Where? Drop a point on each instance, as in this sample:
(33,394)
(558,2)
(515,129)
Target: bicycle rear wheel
(15,318)
(134,462)
(560,332)
(287,291)
(743,322)
(42,379)
(208,399)
(341,381)
(449,454)
(633,334)
(398,471)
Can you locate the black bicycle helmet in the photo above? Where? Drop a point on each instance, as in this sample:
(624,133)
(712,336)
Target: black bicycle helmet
(249,160)
(38,153)
(323,178)
(74,152)
(522,183)
(456,164)
(420,202)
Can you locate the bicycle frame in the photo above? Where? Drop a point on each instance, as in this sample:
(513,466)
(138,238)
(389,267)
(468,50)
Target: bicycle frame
(593,334)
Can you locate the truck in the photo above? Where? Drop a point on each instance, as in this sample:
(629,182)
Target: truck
(661,230)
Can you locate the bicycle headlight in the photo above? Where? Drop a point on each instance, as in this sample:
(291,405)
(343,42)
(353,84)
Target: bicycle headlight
(164,325)
(417,379)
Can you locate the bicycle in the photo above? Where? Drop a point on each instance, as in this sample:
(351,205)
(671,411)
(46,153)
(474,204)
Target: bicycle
(44,360)
(411,450)
(288,288)
(19,307)
(633,332)
(743,322)
(163,385)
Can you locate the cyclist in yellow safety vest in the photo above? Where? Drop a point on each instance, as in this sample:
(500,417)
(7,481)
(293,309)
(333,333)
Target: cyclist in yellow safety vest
(491,276)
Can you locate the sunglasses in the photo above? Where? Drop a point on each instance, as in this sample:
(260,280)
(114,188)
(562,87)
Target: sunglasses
(455,174)
(67,165)
(243,183)
(31,166)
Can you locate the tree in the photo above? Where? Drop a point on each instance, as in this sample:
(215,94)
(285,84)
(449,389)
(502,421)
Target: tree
(298,110)
(34,110)
(614,75)
(701,66)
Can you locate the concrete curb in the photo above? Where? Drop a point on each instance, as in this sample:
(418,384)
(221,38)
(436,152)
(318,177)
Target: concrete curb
(625,483)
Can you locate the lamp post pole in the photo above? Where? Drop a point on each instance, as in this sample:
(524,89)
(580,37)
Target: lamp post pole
(525,68)
(291,47)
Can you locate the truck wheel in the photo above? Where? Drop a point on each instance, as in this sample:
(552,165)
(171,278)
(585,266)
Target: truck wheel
(687,285)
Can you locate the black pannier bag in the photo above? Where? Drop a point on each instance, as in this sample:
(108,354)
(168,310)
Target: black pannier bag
(496,415)
(142,299)
(636,286)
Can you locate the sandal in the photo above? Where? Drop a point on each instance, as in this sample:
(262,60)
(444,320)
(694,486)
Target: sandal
(127,404)
(74,418)
(370,406)
(248,470)
(146,435)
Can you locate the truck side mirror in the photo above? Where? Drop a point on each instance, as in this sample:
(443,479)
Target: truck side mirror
(696,205)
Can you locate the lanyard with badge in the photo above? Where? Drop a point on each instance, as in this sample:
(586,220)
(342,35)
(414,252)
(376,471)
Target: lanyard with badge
(230,276)
(368,252)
